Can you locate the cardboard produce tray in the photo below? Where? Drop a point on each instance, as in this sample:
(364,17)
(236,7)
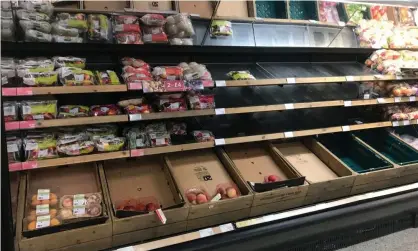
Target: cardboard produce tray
(208,170)
(256,161)
(328,179)
(141,179)
(79,179)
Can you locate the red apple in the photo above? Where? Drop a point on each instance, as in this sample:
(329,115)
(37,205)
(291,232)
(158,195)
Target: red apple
(191,197)
(151,207)
(231,192)
(273,178)
(201,198)
(140,207)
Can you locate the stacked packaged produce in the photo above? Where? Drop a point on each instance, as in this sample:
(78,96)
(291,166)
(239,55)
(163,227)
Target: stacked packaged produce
(180,29)
(388,89)
(134,71)
(7,25)
(355,12)
(126,29)
(39,145)
(69,28)
(8,70)
(14,146)
(153,28)
(35,20)
(36,71)
(391,62)
(99,28)
(400,112)
(328,12)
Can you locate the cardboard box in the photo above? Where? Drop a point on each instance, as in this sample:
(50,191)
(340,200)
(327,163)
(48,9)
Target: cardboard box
(207,169)
(199,223)
(82,178)
(153,5)
(327,178)
(143,178)
(201,8)
(255,161)
(106,5)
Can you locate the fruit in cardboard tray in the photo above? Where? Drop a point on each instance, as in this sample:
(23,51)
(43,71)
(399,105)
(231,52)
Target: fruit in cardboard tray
(273,178)
(201,198)
(107,77)
(32,225)
(231,192)
(151,207)
(191,197)
(104,110)
(222,192)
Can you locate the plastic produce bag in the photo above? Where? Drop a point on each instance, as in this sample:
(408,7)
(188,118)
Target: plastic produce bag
(405,16)
(39,110)
(72,76)
(136,137)
(171,103)
(10,111)
(128,38)
(37,6)
(40,78)
(181,41)
(168,72)
(14,146)
(107,78)
(240,75)
(37,36)
(28,15)
(124,23)
(77,21)
(109,143)
(59,29)
(41,26)
(220,28)
(69,62)
(355,12)
(199,101)
(179,26)
(104,110)
(154,35)
(8,70)
(38,146)
(29,65)
(195,71)
(99,27)
(73,111)
(328,12)
(7,30)
(74,144)
(64,39)
(153,20)
(203,136)
(101,130)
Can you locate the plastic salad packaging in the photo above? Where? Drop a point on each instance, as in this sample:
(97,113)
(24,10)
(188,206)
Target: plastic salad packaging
(10,111)
(134,106)
(37,6)
(109,143)
(136,137)
(29,15)
(153,28)
(41,26)
(98,27)
(195,71)
(101,130)
(198,101)
(30,65)
(37,36)
(39,110)
(159,138)
(14,146)
(40,78)
(73,111)
(104,110)
(74,144)
(179,29)
(8,70)
(69,62)
(221,28)
(107,78)
(76,21)
(73,76)
(40,146)
(240,75)
(171,103)
(61,30)
(177,128)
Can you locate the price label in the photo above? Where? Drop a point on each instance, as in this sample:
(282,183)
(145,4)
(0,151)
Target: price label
(27,124)
(135,117)
(79,200)
(288,134)
(289,106)
(381,100)
(412,99)
(406,122)
(206,232)
(220,111)
(137,152)
(291,80)
(395,123)
(258,18)
(342,24)
(347,103)
(42,209)
(219,142)
(8,91)
(220,83)
(43,221)
(345,128)
(313,21)
(366,96)
(135,86)
(79,210)
(14,125)
(161,215)
(349,78)
(397,99)
(43,194)
(378,76)
(174,85)
(15,167)
(226,227)
(399,77)
(24,91)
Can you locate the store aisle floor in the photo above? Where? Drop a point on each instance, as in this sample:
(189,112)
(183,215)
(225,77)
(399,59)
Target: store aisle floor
(406,240)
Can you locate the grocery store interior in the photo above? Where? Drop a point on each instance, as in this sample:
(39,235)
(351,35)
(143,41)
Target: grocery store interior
(209,125)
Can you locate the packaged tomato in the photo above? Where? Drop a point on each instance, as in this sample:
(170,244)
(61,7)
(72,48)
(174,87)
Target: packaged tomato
(125,23)
(168,72)
(199,101)
(128,38)
(137,70)
(104,110)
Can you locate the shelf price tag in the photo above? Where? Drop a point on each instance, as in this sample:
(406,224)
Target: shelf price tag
(395,123)
(161,215)
(342,24)
(8,91)
(349,78)
(378,76)
(381,100)
(174,86)
(289,106)
(27,124)
(43,221)
(399,77)
(313,21)
(24,91)
(15,167)
(42,209)
(14,125)
(220,83)
(226,227)
(291,80)
(398,99)
(345,128)
(366,96)
(412,99)
(406,122)
(347,103)
(137,152)
(206,232)
(135,86)
(288,134)
(220,111)
(135,117)
(29,165)
(219,142)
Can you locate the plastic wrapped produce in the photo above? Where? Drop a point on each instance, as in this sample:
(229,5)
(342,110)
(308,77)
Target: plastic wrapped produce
(135,71)
(159,139)
(400,112)
(7,29)
(405,16)
(109,143)
(198,101)
(391,62)
(40,78)
(37,36)
(74,144)
(153,31)
(77,21)
(156,127)
(124,23)
(220,28)
(73,111)
(10,111)
(39,110)
(195,71)
(134,106)
(30,65)
(41,26)
(240,75)
(137,63)
(136,137)
(99,27)
(379,13)
(176,128)
(167,72)
(153,20)
(14,146)
(23,14)
(73,76)
(101,130)
(181,41)
(328,12)
(355,12)
(61,30)
(171,103)
(203,136)
(401,89)
(8,70)
(69,62)
(107,78)
(128,38)
(40,146)
(104,110)
(37,6)
(179,29)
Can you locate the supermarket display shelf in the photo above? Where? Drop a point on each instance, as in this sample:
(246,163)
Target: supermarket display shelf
(239,226)
(30,91)
(201,145)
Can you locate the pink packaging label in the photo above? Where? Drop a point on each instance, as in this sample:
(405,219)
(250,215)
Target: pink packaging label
(29,165)
(137,152)
(24,91)
(8,91)
(208,83)
(174,85)
(27,124)
(135,86)
(15,167)
(13,125)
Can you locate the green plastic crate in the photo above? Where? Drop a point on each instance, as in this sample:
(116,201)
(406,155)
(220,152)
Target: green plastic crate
(389,146)
(354,154)
(271,9)
(303,10)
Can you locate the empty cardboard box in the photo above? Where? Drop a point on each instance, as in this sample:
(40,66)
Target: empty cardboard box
(208,171)
(326,177)
(137,182)
(255,162)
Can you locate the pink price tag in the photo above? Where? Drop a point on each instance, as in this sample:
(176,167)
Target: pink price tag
(13,125)
(161,215)
(24,91)
(27,124)
(8,91)
(135,86)
(29,165)
(174,85)
(15,167)
(208,83)
(137,152)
